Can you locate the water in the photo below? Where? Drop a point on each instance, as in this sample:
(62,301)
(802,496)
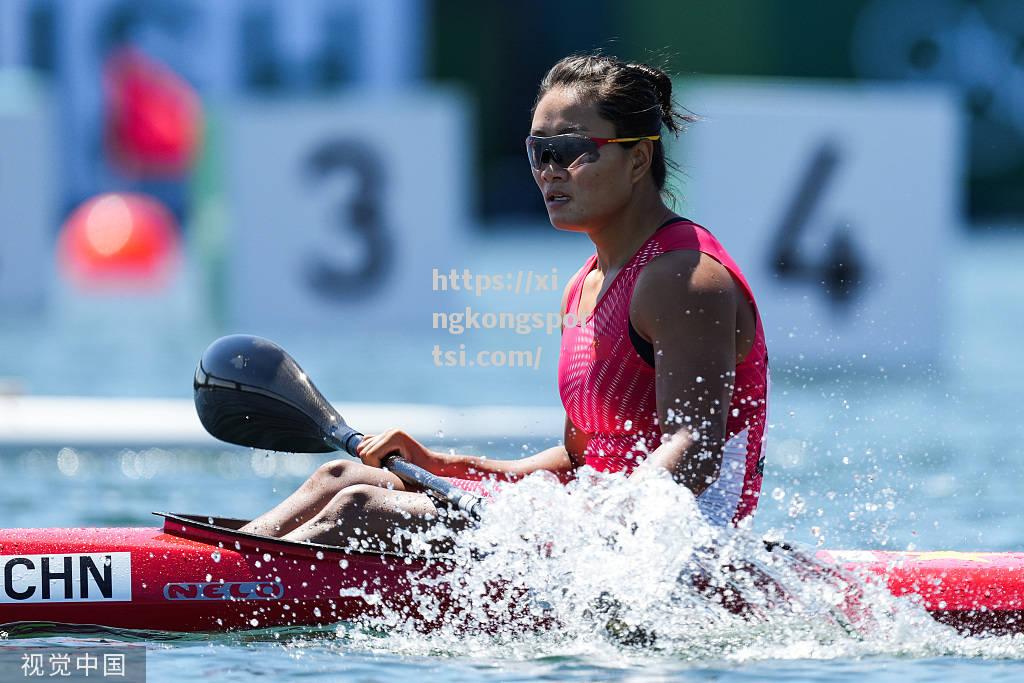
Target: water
(652,535)
(859,457)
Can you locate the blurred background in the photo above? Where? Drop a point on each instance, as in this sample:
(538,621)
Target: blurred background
(312,170)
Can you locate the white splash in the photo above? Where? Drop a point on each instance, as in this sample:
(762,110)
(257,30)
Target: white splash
(608,566)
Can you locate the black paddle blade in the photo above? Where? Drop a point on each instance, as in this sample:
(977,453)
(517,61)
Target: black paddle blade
(249,391)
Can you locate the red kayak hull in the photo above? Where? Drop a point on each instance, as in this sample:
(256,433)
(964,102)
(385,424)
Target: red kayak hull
(976,592)
(190,576)
(199,574)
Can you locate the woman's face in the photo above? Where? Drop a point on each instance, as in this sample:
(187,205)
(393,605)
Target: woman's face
(591,192)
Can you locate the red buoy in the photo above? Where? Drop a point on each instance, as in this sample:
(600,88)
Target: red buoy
(119,239)
(153,116)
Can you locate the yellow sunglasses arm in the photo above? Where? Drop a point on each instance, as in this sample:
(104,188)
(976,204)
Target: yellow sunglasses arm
(642,137)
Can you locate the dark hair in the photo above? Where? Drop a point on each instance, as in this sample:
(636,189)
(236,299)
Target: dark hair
(636,98)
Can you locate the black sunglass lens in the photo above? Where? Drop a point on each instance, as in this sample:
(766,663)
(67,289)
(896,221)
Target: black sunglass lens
(548,154)
(534,151)
(561,151)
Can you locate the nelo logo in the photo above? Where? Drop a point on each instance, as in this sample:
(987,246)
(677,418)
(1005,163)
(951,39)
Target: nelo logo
(229,590)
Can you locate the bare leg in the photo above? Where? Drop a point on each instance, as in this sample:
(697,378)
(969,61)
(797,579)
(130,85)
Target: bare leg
(366,517)
(310,498)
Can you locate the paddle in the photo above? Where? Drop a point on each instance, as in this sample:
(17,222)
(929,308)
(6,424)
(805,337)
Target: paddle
(250,392)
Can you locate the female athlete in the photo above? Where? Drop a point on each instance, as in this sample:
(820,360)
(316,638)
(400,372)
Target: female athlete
(663,360)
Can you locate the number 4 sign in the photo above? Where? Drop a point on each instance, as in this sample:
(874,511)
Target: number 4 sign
(838,201)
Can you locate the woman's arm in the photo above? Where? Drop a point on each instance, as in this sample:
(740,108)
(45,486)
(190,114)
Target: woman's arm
(560,460)
(686,304)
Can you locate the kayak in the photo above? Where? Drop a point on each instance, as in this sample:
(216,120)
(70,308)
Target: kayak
(194,574)
(200,574)
(978,593)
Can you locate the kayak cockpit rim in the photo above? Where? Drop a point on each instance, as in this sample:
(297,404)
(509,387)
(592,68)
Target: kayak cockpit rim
(228,527)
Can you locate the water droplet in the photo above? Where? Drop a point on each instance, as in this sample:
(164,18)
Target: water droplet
(215,556)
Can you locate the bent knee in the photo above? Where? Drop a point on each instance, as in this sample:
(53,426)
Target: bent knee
(334,475)
(351,502)
(356,496)
(334,469)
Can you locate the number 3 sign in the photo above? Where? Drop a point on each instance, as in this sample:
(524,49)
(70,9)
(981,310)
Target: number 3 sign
(839,202)
(339,204)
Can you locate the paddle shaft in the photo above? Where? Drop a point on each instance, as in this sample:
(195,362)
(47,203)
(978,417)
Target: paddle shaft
(347,439)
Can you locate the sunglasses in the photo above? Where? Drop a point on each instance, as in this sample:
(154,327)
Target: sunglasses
(571,149)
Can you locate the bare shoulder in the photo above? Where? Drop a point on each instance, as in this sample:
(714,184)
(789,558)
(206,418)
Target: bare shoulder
(682,274)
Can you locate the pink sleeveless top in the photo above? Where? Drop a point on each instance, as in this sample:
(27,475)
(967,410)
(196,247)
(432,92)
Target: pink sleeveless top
(608,389)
